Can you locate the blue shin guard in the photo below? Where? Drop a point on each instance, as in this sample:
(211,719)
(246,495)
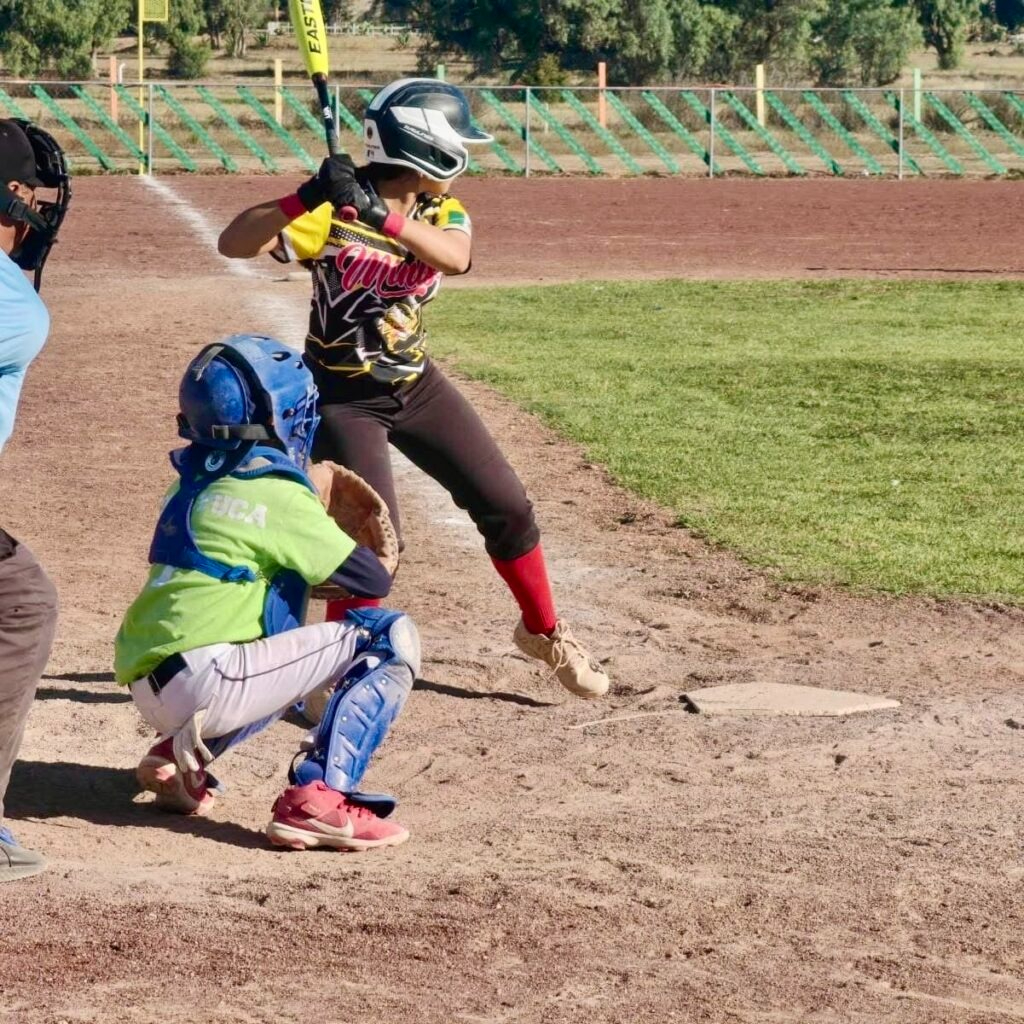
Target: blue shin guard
(362,708)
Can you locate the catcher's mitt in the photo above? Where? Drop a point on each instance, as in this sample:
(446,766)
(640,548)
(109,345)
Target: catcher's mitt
(360,511)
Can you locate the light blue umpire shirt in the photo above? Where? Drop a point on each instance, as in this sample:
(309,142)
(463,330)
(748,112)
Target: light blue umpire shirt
(24,325)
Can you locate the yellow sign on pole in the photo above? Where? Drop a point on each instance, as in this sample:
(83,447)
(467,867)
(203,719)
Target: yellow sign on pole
(148,10)
(155,10)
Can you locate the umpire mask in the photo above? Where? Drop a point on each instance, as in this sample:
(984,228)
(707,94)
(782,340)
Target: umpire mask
(32,157)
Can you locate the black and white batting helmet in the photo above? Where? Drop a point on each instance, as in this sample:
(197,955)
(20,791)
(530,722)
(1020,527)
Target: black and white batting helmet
(423,124)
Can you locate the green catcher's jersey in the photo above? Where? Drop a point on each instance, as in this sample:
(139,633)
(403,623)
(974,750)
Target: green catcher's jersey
(267,523)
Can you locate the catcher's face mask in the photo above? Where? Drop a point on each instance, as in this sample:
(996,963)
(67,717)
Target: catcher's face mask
(32,157)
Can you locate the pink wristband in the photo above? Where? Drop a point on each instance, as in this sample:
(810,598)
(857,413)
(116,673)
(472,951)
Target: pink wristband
(393,224)
(291,206)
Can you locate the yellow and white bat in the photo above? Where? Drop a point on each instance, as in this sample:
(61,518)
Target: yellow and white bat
(308,22)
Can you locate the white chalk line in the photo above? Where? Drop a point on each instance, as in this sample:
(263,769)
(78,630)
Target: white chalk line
(285,316)
(630,718)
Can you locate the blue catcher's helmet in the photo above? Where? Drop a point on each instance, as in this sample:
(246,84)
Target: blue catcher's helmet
(246,389)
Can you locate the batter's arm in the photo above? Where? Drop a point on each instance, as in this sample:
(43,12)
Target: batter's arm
(449,251)
(254,231)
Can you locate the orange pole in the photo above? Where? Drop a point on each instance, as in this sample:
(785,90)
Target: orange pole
(602,81)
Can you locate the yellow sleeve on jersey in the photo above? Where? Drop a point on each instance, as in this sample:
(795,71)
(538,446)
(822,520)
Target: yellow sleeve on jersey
(306,236)
(450,214)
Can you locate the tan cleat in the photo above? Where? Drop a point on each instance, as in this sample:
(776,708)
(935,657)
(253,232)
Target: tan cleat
(575,669)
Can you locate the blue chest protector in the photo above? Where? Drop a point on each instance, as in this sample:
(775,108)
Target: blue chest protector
(174,543)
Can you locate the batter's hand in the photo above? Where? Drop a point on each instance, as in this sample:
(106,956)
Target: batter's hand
(360,205)
(334,183)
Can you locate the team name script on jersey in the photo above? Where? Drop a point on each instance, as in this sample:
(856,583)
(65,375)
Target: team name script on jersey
(378,272)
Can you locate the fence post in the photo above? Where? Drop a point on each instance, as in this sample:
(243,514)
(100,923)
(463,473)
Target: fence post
(899,170)
(526,132)
(149,130)
(278,82)
(759,94)
(711,140)
(602,82)
(113,91)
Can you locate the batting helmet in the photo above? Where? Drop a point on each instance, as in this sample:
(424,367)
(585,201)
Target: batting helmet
(423,124)
(245,389)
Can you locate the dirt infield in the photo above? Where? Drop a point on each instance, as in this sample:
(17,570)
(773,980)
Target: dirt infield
(550,230)
(625,862)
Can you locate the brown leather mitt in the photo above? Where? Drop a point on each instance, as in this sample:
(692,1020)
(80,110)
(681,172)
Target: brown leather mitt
(360,511)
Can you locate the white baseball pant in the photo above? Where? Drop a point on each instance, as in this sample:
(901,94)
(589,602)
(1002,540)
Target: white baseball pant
(230,686)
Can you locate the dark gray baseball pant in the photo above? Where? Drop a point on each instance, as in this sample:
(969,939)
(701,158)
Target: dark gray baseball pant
(28,617)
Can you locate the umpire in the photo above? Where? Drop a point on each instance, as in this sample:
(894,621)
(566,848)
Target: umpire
(29,159)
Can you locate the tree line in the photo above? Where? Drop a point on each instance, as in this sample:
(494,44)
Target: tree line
(833,42)
(548,42)
(63,36)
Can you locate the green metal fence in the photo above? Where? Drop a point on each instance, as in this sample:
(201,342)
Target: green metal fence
(254,127)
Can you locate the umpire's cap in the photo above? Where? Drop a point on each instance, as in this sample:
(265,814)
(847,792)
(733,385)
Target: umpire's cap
(17,158)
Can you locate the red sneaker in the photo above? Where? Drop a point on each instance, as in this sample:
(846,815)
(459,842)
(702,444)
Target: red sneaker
(313,815)
(176,791)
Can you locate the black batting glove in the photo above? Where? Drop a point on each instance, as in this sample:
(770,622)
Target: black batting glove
(370,209)
(374,213)
(334,183)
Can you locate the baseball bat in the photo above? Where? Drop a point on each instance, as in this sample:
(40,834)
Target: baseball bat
(308,22)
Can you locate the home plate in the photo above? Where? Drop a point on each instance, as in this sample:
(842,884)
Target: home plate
(781,699)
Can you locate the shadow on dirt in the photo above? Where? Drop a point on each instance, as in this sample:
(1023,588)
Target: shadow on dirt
(447,690)
(120,696)
(83,677)
(104,796)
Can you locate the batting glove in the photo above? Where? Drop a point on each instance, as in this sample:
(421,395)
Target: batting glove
(334,183)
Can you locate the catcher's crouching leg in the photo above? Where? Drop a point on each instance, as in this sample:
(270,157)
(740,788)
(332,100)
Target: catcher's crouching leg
(323,806)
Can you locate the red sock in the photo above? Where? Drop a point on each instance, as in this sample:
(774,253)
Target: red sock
(335,610)
(527,578)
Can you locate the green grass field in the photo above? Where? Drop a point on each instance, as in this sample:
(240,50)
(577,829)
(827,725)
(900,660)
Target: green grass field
(864,433)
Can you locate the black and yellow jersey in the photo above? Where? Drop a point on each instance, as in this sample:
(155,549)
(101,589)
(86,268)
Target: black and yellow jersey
(366,315)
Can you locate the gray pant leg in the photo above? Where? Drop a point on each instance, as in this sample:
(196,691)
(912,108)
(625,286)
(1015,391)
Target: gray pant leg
(28,617)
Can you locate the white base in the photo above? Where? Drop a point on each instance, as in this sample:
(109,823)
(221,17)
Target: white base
(782,699)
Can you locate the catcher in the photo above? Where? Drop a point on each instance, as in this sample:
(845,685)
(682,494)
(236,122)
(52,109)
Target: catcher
(212,649)
(366,341)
